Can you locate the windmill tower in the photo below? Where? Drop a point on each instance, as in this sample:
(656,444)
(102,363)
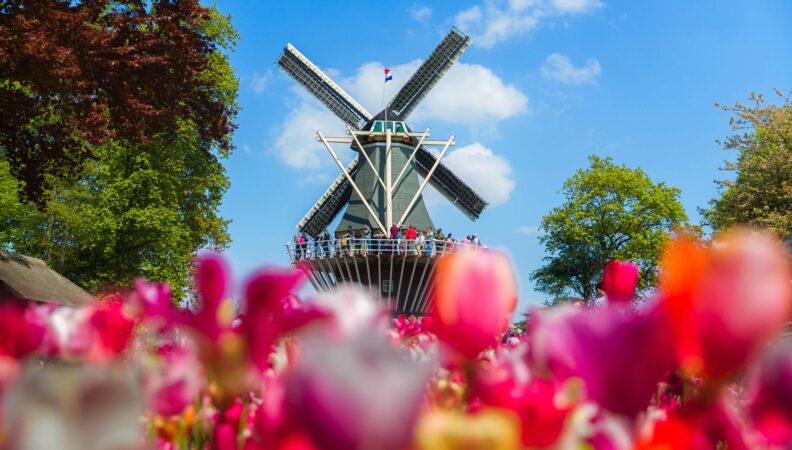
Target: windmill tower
(381,186)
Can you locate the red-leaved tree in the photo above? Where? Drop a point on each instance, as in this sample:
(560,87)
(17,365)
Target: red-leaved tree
(77,73)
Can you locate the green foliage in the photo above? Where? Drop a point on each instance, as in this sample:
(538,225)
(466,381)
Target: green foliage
(135,209)
(609,211)
(10,206)
(761,192)
(75,75)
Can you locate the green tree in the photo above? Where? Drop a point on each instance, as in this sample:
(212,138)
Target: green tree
(761,192)
(609,211)
(137,208)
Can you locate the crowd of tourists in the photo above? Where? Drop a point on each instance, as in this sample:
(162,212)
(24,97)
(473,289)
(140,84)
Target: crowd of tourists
(400,241)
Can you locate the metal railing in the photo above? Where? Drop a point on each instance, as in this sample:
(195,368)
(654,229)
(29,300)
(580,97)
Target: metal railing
(373,247)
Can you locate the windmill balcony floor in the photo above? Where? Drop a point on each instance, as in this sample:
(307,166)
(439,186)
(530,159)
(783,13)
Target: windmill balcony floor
(401,272)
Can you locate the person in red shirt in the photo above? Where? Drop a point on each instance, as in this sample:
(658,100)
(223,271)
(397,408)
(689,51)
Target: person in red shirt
(410,236)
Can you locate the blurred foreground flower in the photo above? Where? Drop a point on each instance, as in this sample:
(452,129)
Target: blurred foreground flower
(356,393)
(487,429)
(541,405)
(74,407)
(21,332)
(726,301)
(474,295)
(770,396)
(620,356)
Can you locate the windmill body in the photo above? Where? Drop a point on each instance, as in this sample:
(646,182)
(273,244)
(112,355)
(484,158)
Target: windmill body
(383,186)
(356,216)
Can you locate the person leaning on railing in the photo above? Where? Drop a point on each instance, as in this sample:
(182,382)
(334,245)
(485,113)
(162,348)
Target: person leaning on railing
(439,241)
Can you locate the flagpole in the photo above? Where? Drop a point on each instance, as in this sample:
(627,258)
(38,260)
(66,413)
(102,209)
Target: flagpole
(382,102)
(384,87)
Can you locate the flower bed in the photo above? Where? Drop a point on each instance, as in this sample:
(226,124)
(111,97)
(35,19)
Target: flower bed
(696,366)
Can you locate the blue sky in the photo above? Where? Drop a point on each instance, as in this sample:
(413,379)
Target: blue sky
(544,84)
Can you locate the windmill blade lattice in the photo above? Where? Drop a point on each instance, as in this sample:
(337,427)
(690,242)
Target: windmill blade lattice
(430,72)
(447,183)
(329,205)
(322,87)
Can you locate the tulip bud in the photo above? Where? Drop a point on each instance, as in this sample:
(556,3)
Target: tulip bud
(619,281)
(475,293)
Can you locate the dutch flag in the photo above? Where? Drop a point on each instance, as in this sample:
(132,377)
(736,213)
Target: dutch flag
(388,75)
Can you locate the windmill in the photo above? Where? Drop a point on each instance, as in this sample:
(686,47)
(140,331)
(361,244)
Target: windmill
(380,187)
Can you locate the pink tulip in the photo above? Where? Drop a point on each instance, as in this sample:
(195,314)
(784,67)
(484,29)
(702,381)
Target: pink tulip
(619,281)
(225,437)
(770,396)
(211,279)
(357,393)
(475,293)
(174,382)
(269,313)
(620,356)
(155,303)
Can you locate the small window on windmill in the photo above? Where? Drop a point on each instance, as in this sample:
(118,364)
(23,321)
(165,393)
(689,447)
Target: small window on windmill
(387,287)
(377,126)
(400,127)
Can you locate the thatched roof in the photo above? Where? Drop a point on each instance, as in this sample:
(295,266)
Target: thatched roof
(29,278)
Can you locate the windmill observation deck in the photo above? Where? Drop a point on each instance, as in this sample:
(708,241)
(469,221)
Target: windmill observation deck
(381,189)
(401,272)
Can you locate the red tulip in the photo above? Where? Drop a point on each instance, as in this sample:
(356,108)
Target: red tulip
(475,293)
(113,326)
(619,281)
(508,383)
(21,332)
(698,426)
(725,302)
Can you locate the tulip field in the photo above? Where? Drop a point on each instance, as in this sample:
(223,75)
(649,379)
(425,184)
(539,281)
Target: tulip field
(698,363)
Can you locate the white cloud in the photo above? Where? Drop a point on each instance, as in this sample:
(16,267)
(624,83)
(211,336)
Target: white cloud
(420,13)
(498,20)
(576,6)
(259,82)
(490,175)
(296,143)
(315,178)
(527,229)
(469,94)
(560,68)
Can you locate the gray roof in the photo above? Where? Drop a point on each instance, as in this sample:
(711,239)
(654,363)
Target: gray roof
(29,278)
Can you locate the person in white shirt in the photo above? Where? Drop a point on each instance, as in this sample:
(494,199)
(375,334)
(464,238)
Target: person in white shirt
(601,302)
